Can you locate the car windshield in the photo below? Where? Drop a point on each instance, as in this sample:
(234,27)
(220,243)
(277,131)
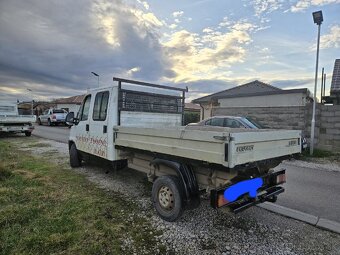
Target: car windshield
(249,124)
(258,125)
(58,111)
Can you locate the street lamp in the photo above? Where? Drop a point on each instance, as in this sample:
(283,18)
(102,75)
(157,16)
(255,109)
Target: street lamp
(30,91)
(97,76)
(318,18)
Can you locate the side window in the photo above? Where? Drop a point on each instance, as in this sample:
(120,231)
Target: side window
(85,108)
(208,122)
(100,106)
(231,123)
(217,122)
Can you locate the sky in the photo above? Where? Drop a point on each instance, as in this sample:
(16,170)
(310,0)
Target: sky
(48,49)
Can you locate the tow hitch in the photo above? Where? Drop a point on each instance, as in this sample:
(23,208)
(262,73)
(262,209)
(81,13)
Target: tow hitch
(250,193)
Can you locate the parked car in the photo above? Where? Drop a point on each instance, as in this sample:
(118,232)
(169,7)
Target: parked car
(237,122)
(53,117)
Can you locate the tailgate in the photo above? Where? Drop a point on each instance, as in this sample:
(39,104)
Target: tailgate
(8,119)
(245,147)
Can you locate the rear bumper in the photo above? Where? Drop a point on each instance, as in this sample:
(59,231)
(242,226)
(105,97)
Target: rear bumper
(268,192)
(58,121)
(16,128)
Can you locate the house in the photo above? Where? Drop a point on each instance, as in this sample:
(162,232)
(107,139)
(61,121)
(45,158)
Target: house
(253,94)
(70,104)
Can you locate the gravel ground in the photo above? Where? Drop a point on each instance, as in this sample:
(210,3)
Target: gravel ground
(204,230)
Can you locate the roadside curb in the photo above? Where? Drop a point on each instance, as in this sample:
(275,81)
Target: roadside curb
(301,216)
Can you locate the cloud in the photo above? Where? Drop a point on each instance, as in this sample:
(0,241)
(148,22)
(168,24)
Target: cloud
(332,39)
(177,14)
(266,6)
(173,26)
(60,48)
(208,55)
(144,3)
(304,4)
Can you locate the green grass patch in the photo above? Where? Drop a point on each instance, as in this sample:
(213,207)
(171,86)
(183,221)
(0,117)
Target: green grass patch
(317,153)
(37,145)
(46,209)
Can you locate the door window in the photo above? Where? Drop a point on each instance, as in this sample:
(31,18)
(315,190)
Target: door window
(85,108)
(100,106)
(217,122)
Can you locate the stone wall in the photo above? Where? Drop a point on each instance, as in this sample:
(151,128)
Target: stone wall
(329,127)
(327,121)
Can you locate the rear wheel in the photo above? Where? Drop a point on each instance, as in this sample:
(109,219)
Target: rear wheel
(27,133)
(75,160)
(167,197)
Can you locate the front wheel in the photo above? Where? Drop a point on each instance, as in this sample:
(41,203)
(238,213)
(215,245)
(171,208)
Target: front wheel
(75,160)
(167,197)
(49,122)
(28,133)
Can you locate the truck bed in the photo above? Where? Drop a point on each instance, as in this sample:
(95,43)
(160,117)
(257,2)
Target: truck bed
(218,145)
(16,119)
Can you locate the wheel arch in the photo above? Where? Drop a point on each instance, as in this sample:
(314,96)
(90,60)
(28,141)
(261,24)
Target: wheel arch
(188,180)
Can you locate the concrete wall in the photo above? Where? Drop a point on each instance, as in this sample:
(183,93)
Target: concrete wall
(329,127)
(327,121)
(296,99)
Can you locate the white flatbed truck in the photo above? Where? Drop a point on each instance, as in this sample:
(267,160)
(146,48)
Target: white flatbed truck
(12,122)
(139,125)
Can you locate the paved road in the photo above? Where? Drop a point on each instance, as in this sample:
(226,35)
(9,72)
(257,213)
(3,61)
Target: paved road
(312,191)
(57,133)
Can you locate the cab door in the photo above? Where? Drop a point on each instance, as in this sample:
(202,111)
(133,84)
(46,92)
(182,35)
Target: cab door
(99,124)
(82,130)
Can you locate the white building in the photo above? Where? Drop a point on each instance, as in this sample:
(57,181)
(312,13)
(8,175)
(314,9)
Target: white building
(253,94)
(70,104)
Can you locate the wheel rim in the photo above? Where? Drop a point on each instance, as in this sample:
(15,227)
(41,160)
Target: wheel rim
(166,198)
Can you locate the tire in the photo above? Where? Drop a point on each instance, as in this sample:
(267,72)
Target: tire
(27,133)
(49,122)
(39,122)
(75,160)
(167,197)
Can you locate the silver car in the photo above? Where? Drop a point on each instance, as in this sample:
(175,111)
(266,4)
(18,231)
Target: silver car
(53,117)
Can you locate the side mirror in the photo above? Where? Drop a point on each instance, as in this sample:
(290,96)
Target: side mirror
(70,119)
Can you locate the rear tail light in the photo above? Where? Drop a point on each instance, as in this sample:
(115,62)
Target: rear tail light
(54,117)
(281,178)
(221,201)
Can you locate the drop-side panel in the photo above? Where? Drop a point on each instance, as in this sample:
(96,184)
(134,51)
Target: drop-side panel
(242,146)
(248,147)
(192,144)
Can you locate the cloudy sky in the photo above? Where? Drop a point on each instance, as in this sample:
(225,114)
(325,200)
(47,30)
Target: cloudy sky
(51,47)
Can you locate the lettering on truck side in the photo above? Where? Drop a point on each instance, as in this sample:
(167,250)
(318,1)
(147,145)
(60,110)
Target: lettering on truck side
(244,148)
(97,146)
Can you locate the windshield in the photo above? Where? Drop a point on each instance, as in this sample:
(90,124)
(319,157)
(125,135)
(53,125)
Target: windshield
(258,125)
(58,111)
(249,124)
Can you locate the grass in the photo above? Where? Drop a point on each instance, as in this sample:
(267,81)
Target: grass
(317,153)
(46,209)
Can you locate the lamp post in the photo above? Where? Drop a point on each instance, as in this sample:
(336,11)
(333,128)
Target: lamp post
(97,77)
(318,18)
(30,91)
